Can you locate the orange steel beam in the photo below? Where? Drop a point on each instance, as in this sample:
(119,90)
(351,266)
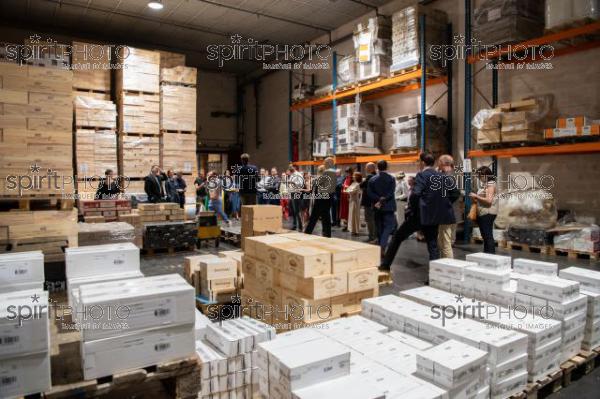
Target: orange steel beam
(410,157)
(560,149)
(364,88)
(546,39)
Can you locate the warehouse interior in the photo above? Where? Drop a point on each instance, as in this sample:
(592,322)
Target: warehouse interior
(297,199)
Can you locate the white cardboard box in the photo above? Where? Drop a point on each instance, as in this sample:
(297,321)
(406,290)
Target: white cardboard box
(588,279)
(143,348)
(347,387)
(21,270)
(24,331)
(157,301)
(74,283)
(528,266)
(449,268)
(25,375)
(553,289)
(101,259)
(490,261)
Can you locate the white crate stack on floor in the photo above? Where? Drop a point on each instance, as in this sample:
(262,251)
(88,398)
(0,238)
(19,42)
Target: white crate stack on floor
(507,350)
(24,343)
(156,313)
(589,283)
(21,271)
(228,357)
(96,264)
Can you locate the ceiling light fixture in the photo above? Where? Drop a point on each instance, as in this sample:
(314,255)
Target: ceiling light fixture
(155,4)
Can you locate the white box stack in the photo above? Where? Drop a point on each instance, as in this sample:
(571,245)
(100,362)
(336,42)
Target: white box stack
(20,271)
(528,266)
(372,46)
(455,366)
(544,336)
(24,343)
(95,264)
(234,373)
(135,323)
(589,282)
(507,350)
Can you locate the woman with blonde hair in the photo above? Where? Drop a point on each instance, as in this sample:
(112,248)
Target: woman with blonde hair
(354,193)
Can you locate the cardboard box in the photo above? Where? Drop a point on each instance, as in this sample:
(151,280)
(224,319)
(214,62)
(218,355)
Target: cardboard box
(449,268)
(319,287)
(577,121)
(24,325)
(305,310)
(98,259)
(589,280)
(304,261)
(149,302)
(343,258)
(555,289)
(344,387)
(528,266)
(490,261)
(138,349)
(21,268)
(25,375)
(367,255)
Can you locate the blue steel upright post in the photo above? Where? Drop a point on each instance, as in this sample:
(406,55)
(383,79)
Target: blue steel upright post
(423,54)
(334,104)
(467,120)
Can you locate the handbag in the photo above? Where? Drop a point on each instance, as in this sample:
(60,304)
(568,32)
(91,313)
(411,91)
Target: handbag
(472,216)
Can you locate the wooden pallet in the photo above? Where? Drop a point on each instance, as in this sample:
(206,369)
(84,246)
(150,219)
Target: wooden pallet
(384,278)
(579,365)
(538,249)
(232,237)
(168,250)
(52,247)
(510,144)
(572,254)
(162,131)
(40,203)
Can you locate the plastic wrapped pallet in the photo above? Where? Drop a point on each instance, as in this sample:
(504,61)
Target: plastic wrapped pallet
(406,36)
(347,71)
(503,21)
(140,72)
(322,146)
(90,64)
(584,240)
(93,112)
(105,233)
(95,152)
(170,235)
(529,209)
(138,154)
(562,13)
(407,133)
(359,127)
(178,107)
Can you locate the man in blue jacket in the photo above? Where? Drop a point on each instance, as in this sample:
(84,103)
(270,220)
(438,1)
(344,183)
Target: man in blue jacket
(427,208)
(381,189)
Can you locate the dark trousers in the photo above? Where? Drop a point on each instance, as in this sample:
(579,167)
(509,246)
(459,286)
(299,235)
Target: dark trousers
(334,209)
(370,219)
(486,226)
(296,208)
(321,210)
(181,200)
(260,198)
(248,198)
(410,226)
(386,223)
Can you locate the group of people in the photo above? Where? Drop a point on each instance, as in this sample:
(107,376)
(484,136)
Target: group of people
(165,187)
(395,207)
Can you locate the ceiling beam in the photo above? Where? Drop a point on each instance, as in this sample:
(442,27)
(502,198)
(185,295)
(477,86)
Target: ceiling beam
(262,14)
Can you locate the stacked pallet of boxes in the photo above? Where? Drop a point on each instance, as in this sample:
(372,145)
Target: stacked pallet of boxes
(299,279)
(406,40)
(161,322)
(105,233)
(178,121)
(133,218)
(25,349)
(582,127)
(323,146)
(138,106)
(228,357)
(589,284)
(167,211)
(372,46)
(213,276)
(36,121)
(95,115)
(407,133)
(586,240)
(48,231)
(108,210)
(506,21)
(561,14)
(359,128)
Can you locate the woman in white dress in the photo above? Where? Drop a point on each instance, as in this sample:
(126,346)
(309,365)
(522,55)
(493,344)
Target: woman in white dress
(354,193)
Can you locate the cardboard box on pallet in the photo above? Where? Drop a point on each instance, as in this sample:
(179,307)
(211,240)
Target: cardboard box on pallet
(107,258)
(140,72)
(178,107)
(25,375)
(21,271)
(89,62)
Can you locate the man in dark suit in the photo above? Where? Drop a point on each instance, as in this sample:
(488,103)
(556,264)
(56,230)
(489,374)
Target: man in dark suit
(153,185)
(172,187)
(426,208)
(247,176)
(108,188)
(381,189)
(367,204)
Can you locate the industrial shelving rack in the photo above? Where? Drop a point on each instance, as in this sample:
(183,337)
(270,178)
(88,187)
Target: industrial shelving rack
(562,46)
(417,79)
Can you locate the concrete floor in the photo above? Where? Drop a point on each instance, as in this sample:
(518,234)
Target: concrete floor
(409,270)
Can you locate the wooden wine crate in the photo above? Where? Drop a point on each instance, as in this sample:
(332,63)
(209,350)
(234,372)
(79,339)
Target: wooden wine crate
(170,60)
(140,72)
(138,112)
(93,112)
(95,151)
(179,74)
(178,152)
(91,69)
(177,108)
(137,155)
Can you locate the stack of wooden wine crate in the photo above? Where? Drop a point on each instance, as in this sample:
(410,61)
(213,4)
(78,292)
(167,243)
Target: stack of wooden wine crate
(36,151)
(296,279)
(178,121)
(95,116)
(137,94)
